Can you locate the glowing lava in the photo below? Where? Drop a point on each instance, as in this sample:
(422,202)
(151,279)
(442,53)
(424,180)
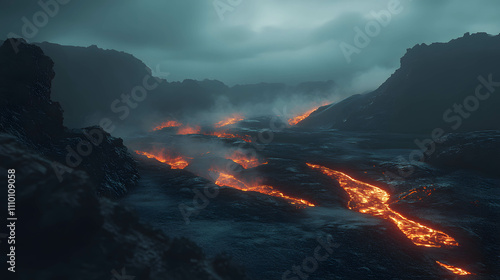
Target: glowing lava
(231,120)
(454,269)
(369,199)
(177,162)
(231,181)
(185,130)
(223,134)
(245,161)
(167,124)
(299,118)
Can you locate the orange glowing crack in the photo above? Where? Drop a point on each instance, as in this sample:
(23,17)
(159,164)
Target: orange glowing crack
(247,162)
(369,199)
(454,269)
(245,138)
(231,120)
(177,162)
(231,181)
(167,124)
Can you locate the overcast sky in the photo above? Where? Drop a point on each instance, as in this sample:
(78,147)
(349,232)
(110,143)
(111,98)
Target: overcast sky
(250,41)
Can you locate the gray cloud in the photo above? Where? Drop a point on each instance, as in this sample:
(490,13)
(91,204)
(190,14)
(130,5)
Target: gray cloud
(272,41)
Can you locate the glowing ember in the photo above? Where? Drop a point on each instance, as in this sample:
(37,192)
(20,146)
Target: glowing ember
(174,162)
(231,120)
(299,118)
(167,124)
(417,194)
(189,130)
(245,138)
(369,199)
(247,162)
(231,181)
(454,269)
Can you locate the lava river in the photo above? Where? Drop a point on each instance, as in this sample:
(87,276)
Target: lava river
(177,162)
(228,180)
(369,199)
(295,120)
(224,179)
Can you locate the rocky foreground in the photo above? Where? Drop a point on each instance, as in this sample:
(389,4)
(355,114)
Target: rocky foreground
(67,228)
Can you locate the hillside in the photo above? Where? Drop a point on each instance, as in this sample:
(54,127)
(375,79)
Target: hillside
(421,95)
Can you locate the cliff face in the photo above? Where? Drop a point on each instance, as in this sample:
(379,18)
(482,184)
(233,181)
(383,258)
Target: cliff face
(28,113)
(419,94)
(67,232)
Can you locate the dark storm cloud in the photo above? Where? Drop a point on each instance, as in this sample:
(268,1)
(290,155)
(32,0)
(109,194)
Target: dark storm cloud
(273,41)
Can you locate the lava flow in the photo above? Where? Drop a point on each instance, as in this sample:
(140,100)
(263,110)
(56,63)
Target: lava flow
(231,120)
(231,181)
(369,199)
(185,130)
(247,162)
(167,124)
(223,134)
(295,120)
(454,269)
(177,162)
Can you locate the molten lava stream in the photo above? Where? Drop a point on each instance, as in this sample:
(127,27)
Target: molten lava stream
(247,162)
(369,199)
(185,130)
(299,118)
(231,120)
(177,162)
(225,179)
(168,124)
(223,134)
(454,269)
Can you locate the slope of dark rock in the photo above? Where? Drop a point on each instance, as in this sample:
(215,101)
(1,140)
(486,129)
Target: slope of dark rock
(28,113)
(431,79)
(66,232)
(477,151)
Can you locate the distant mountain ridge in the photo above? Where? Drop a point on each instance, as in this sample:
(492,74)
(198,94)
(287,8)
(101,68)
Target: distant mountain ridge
(90,79)
(421,95)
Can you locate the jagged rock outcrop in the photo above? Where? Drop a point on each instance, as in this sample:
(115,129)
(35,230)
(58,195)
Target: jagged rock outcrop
(66,232)
(28,113)
(418,96)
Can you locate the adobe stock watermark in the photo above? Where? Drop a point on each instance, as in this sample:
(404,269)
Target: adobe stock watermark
(122,108)
(225,6)
(30,28)
(311,263)
(363,37)
(455,116)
